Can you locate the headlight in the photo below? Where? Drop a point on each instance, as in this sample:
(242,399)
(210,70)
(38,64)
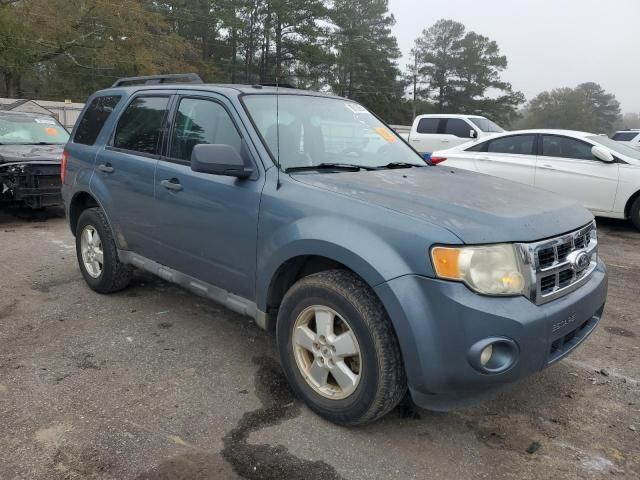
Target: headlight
(487,269)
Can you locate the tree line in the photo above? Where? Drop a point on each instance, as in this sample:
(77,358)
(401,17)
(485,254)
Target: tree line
(59,49)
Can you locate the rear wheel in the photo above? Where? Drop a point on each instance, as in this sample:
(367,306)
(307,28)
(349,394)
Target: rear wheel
(634,213)
(97,253)
(338,348)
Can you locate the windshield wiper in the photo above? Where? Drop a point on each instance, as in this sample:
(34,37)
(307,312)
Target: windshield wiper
(402,165)
(348,167)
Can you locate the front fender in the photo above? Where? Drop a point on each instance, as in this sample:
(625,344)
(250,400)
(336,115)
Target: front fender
(333,238)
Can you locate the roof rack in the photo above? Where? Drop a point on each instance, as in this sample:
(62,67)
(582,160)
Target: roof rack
(270,84)
(158,79)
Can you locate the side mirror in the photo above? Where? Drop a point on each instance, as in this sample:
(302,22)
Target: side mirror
(473,133)
(602,153)
(219,159)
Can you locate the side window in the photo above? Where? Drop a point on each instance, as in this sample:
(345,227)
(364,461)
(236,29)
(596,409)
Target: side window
(428,125)
(481,147)
(458,127)
(515,145)
(201,121)
(94,118)
(565,147)
(140,126)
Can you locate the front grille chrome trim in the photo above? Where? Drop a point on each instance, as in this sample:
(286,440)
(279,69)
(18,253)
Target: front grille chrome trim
(551,273)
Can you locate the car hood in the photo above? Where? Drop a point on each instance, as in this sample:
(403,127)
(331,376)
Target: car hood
(476,208)
(26,153)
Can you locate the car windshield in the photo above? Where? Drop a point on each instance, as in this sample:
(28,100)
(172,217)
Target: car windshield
(625,136)
(305,131)
(486,125)
(618,147)
(24,130)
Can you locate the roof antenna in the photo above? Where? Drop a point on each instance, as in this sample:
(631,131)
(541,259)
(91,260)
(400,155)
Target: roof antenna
(278,184)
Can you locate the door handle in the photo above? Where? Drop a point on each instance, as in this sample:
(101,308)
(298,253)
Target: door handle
(106,168)
(173,184)
(484,157)
(547,166)
(445,141)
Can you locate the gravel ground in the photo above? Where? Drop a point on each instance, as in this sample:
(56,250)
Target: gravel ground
(155,383)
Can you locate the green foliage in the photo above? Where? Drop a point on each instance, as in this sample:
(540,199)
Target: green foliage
(459,69)
(57,49)
(70,48)
(587,107)
(365,55)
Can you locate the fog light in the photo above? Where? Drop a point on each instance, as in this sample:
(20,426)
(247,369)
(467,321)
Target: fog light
(486,355)
(493,355)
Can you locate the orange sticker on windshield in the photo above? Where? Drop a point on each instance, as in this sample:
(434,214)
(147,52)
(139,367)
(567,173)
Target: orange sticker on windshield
(386,134)
(51,131)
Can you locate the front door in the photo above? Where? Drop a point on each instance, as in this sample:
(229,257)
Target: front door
(566,166)
(206,224)
(512,157)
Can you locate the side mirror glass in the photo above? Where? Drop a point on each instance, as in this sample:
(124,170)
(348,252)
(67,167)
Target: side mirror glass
(219,159)
(602,154)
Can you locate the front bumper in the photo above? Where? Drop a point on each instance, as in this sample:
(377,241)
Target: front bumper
(438,322)
(37,184)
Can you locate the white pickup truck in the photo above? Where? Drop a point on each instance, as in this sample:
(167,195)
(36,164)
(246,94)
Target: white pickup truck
(440,132)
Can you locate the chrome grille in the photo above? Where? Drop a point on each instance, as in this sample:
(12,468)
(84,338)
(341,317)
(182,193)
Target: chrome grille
(555,269)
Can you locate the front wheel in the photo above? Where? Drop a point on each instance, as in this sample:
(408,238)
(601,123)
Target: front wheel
(634,212)
(338,348)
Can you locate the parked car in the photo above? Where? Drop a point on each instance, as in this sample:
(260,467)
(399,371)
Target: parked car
(599,173)
(436,132)
(628,137)
(30,154)
(377,272)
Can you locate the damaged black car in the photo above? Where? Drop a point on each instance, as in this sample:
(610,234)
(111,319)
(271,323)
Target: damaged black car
(31,148)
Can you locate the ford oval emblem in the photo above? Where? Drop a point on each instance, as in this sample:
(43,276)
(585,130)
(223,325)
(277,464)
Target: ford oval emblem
(580,261)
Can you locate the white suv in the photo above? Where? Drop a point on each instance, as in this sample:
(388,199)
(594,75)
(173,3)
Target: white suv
(630,137)
(437,132)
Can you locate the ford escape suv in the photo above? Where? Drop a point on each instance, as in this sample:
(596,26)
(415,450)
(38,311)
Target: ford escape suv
(378,273)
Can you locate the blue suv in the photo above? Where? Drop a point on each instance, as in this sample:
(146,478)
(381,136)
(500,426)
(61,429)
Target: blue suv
(379,274)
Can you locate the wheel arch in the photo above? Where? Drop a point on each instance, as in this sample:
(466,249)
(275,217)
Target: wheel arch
(79,203)
(627,207)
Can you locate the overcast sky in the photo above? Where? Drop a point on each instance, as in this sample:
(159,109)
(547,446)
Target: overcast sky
(549,43)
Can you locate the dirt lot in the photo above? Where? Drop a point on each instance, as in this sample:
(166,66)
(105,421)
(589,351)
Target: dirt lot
(155,383)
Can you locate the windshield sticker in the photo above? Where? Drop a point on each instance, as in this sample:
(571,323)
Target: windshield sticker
(52,132)
(386,134)
(45,121)
(355,107)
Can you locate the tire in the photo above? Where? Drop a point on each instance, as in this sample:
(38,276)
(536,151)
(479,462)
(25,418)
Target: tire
(112,275)
(378,369)
(634,213)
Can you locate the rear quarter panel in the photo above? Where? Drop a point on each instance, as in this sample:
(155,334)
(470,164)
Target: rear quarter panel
(81,158)
(457,159)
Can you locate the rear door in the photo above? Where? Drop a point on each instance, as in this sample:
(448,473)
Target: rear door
(206,225)
(124,171)
(566,166)
(424,137)
(511,157)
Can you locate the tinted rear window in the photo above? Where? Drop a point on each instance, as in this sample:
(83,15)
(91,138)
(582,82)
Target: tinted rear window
(139,127)
(625,136)
(516,145)
(428,125)
(94,119)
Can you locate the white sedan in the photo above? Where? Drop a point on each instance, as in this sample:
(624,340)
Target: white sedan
(599,173)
